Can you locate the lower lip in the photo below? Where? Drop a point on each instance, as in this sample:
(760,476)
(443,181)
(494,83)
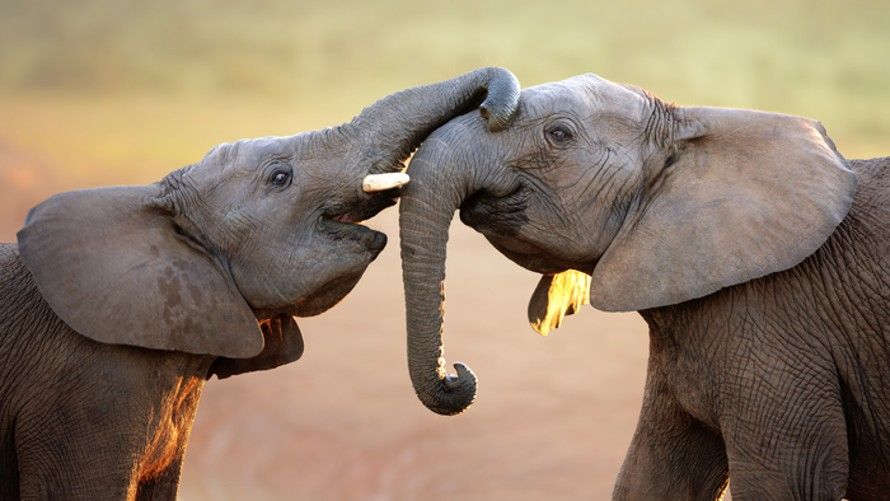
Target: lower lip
(378,242)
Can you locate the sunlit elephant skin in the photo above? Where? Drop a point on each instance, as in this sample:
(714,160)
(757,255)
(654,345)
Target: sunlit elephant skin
(756,253)
(116,304)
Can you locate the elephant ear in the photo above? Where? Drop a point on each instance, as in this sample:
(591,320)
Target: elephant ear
(750,194)
(114,266)
(283,344)
(555,297)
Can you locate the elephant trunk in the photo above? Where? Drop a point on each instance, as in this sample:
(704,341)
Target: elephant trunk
(438,187)
(394,126)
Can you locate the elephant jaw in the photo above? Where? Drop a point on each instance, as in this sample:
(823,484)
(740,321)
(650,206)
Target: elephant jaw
(327,296)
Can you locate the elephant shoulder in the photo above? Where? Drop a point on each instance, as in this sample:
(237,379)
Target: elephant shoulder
(869,218)
(22,308)
(874,184)
(17,287)
(15,279)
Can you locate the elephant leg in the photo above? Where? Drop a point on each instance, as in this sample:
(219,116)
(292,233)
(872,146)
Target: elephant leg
(788,438)
(672,455)
(811,468)
(63,454)
(45,473)
(9,468)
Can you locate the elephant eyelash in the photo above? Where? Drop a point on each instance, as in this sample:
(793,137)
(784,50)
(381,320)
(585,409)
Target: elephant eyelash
(671,159)
(280,178)
(559,134)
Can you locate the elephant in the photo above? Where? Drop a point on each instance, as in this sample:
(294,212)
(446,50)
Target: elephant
(756,253)
(119,303)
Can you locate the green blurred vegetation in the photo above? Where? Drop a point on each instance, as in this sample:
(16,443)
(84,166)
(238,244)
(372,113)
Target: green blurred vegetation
(140,87)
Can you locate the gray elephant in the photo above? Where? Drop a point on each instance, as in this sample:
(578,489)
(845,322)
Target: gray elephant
(758,255)
(118,303)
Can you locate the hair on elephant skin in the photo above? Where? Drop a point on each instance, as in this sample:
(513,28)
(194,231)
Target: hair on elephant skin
(116,304)
(757,254)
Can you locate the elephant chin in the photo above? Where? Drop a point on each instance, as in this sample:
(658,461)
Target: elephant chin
(326,296)
(534,258)
(499,220)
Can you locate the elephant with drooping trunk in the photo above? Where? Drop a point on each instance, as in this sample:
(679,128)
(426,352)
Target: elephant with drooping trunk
(757,254)
(118,303)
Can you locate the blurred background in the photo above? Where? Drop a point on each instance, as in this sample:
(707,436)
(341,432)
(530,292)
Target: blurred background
(99,92)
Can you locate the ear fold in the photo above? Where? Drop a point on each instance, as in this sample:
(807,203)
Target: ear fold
(110,264)
(283,344)
(752,193)
(555,297)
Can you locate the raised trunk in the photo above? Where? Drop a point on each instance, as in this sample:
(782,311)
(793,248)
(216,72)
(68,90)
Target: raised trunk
(438,187)
(394,126)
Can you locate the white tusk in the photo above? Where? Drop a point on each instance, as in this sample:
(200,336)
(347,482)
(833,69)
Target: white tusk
(381,182)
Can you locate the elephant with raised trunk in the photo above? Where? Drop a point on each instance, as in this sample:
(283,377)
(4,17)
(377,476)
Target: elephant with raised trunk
(758,255)
(118,303)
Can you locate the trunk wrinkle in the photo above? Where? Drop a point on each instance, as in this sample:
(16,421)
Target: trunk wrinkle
(428,205)
(394,126)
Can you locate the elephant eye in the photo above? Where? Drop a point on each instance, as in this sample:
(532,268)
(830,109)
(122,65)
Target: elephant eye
(280,178)
(559,134)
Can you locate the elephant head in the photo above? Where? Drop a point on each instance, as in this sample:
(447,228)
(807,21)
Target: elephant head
(649,204)
(217,257)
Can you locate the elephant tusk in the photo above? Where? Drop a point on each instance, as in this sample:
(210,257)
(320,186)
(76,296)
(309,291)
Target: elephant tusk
(381,182)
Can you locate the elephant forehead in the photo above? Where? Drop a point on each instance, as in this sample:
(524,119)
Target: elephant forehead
(249,152)
(586,93)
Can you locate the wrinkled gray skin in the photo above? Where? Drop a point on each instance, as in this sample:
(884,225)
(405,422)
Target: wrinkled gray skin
(758,256)
(118,303)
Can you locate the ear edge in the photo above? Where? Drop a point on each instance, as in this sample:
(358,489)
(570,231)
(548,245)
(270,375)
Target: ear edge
(282,344)
(556,297)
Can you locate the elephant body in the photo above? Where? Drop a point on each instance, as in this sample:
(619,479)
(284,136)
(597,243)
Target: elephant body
(117,303)
(784,381)
(62,396)
(758,255)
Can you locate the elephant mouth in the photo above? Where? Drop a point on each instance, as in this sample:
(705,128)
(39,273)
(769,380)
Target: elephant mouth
(368,207)
(501,221)
(504,214)
(342,222)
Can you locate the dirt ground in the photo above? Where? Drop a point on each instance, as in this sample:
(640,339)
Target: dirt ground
(552,419)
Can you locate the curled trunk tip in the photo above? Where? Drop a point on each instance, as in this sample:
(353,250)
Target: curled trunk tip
(454,393)
(501,100)
(394,126)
